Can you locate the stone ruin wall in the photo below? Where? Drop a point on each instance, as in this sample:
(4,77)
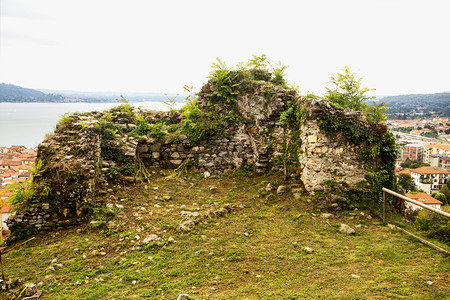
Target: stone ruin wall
(324,160)
(321,158)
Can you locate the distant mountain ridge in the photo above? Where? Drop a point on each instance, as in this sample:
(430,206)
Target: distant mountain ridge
(426,105)
(438,98)
(14,93)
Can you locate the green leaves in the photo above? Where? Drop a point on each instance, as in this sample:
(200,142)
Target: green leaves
(258,62)
(348,92)
(222,83)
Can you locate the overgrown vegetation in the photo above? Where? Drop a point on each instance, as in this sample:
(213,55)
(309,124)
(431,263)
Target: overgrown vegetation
(406,182)
(412,164)
(257,251)
(294,114)
(375,146)
(433,225)
(24,193)
(224,84)
(348,92)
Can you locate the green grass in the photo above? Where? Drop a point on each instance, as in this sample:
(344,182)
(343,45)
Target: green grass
(256,252)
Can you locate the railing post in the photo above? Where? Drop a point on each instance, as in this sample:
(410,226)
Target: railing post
(384,207)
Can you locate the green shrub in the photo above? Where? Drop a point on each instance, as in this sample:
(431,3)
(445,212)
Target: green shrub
(112,172)
(124,108)
(433,225)
(23,194)
(157,131)
(66,119)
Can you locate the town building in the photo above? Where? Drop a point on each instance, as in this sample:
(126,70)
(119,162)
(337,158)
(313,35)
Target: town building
(412,151)
(422,198)
(430,179)
(15,165)
(429,149)
(441,161)
(5,207)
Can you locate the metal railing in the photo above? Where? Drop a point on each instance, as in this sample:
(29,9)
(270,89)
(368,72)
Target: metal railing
(438,211)
(385,190)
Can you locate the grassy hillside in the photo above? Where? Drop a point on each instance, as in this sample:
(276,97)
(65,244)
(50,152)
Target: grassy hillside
(253,248)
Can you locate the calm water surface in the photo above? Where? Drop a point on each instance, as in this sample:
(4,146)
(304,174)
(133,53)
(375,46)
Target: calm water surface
(27,123)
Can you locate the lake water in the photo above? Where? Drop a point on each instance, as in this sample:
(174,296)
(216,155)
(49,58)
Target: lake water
(27,123)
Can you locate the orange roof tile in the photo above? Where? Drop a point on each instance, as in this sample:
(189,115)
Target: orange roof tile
(430,170)
(407,172)
(441,146)
(6,209)
(423,198)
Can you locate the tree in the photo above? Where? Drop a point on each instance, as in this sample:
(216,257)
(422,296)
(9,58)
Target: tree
(376,112)
(347,92)
(406,164)
(446,191)
(406,182)
(412,164)
(441,197)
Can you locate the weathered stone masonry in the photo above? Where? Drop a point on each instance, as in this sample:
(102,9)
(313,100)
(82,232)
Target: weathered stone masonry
(77,172)
(323,159)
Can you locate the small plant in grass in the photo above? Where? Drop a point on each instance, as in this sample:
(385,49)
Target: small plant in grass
(112,172)
(157,130)
(101,215)
(170,102)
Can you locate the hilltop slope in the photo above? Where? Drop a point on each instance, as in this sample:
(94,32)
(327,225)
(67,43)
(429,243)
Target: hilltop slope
(248,242)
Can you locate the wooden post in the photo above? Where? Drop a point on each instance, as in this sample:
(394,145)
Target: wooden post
(1,263)
(384,207)
(425,241)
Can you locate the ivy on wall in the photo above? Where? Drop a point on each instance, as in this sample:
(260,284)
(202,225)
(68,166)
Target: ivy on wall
(375,146)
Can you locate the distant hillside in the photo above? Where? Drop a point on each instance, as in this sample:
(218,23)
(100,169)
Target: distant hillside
(418,105)
(14,93)
(113,96)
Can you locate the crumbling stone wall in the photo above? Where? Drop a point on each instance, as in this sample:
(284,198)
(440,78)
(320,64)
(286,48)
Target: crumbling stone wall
(77,174)
(323,159)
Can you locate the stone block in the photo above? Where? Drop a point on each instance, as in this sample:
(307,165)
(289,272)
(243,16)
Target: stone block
(312,139)
(155,147)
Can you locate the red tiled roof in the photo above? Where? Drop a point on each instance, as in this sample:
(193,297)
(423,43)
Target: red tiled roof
(423,198)
(441,146)
(10,162)
(430,170)
(6,209)
(407,172)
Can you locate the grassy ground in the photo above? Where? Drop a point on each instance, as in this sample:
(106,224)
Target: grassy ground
(254,252)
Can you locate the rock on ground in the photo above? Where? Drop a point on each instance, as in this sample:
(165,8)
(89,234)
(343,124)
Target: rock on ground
(345,229)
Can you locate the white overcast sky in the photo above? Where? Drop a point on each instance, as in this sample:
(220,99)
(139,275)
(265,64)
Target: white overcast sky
(397,46)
